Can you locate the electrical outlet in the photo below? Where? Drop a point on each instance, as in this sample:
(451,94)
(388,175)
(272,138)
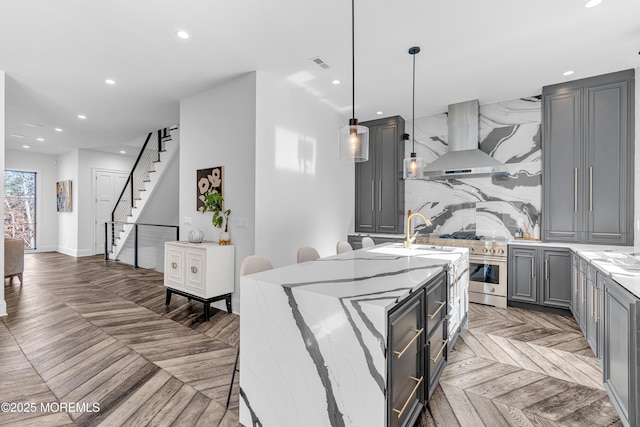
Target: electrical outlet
(187,220)
(243,223)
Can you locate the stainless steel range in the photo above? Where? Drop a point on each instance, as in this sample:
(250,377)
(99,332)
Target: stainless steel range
(487,265)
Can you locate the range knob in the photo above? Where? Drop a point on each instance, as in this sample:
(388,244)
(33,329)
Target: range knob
(493,289)
(493,251)
(501,251)
(472,249)
(484,250)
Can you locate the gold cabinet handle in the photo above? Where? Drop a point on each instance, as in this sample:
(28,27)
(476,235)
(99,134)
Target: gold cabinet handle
(379,195)
(413,392)
(593,300)
(431,316)
(444,345)
(583,290)
(576,282)
(415,337)
(597,304)
(174,265)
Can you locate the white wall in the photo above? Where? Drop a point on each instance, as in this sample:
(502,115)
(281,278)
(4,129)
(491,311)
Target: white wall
(84,204)
(304,193)
(217,128)
(46,169)
(3,304)
(67,221)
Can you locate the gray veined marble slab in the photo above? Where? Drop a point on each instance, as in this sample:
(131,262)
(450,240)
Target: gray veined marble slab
(313,336)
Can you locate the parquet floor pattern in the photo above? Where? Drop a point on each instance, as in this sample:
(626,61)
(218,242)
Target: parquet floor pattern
(519,367)
(82,331)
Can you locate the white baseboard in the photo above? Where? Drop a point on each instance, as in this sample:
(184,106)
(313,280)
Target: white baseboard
(67,251)
(3,308)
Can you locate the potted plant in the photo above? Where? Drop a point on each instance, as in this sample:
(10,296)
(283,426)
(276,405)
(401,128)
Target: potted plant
(214,202)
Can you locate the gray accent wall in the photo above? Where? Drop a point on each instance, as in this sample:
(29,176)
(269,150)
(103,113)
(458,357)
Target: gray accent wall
(491,206)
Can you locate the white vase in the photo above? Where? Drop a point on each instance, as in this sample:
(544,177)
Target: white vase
(224,238)
(195,235)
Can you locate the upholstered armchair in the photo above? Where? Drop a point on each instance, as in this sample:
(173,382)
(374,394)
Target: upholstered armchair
(13,258)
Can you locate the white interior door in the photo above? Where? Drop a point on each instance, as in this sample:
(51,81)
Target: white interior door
(108,186)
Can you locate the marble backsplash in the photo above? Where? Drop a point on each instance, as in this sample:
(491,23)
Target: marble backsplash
(490,206)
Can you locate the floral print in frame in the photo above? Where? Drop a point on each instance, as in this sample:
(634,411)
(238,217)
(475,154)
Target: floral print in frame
(208,180)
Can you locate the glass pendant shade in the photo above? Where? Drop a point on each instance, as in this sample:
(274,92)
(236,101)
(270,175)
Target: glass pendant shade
(412,167)
(354,142)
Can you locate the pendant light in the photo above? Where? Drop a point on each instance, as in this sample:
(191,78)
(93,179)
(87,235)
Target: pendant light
(354,138)
(412,166)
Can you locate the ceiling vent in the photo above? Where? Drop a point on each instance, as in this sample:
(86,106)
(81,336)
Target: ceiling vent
(320,62)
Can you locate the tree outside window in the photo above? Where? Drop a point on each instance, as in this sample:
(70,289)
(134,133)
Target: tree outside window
(20,206)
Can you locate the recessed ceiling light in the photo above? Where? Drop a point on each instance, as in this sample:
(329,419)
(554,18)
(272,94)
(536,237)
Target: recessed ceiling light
(82,116)
(34,125)
(58,129)
(568,73)
(40,139)
(379,113)
(335,82)
(123,152)
(25,146)
(182,34)
(110,82)
(592,3)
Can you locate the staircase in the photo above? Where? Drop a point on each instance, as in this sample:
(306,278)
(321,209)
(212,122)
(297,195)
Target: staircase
(154,157)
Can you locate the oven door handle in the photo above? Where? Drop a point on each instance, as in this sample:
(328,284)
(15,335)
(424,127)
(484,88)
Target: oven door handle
(487,260)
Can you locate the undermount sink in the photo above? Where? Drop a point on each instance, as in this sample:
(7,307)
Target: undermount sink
(414,250)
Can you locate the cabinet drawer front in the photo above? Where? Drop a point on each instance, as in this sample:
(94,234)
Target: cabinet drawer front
(406,338)
(174,268)
(195,273)
(437,308)
(437,354)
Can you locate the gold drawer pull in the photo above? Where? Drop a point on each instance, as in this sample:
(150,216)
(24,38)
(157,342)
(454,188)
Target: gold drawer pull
(418,332)
(444,345)
(413,392)
(431,316)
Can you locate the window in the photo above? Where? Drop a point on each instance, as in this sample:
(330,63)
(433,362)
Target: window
(20,206)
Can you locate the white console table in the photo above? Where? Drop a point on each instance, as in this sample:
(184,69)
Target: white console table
(200,271)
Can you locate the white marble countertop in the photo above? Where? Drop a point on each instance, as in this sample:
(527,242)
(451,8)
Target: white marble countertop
(387,269)
(314,335)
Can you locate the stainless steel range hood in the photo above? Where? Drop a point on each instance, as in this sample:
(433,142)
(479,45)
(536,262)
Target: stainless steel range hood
(464,158)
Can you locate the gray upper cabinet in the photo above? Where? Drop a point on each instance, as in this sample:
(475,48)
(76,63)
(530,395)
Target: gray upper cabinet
(588,160)
(540,276)
(562,153)
(379,183)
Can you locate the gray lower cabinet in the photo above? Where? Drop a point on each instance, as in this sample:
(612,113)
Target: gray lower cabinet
(620,359)
(417,337)
(379,184)
(587,150)
(406,361)
(540,276)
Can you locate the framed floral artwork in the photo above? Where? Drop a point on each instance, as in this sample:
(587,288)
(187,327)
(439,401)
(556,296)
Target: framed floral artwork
(211,179)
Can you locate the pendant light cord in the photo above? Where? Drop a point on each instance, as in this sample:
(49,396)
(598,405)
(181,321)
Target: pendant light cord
(353,60)
(413,108)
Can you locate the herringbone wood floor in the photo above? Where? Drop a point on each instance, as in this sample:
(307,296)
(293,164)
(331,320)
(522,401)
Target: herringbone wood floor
(82,331)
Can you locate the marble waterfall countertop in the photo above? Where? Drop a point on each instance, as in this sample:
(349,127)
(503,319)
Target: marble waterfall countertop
(313,335)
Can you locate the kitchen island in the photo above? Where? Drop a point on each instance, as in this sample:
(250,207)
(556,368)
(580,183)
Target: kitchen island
(318,346)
